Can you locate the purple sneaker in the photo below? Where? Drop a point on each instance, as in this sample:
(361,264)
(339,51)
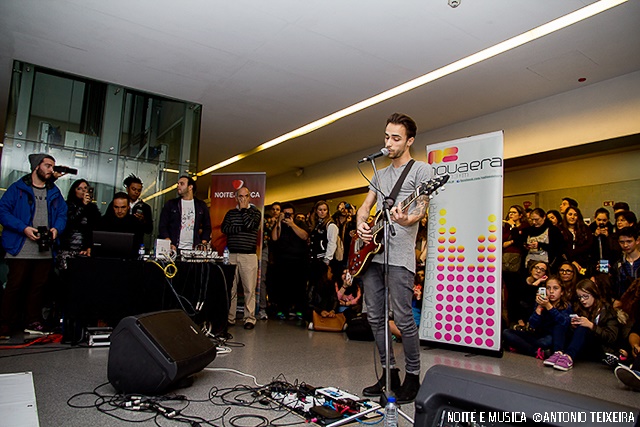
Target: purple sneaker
(553,359)
(564,363)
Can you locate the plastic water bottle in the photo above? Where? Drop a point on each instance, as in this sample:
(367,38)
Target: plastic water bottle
(225,256)
(141,252)
(391,413)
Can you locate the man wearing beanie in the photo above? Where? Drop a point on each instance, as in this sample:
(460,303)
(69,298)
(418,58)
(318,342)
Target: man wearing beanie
(30,203)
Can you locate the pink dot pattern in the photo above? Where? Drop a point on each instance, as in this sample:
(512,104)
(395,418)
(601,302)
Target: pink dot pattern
(466,290)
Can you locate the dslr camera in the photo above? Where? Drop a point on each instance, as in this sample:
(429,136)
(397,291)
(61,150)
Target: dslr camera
(288,214)
(44,241)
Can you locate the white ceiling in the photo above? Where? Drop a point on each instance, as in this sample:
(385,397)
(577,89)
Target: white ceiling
(263,68)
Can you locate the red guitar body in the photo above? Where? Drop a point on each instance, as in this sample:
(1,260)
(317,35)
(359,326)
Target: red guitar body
(361,253)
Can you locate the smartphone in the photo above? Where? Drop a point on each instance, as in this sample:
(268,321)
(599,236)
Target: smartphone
(603,266)
(542,292)
(573,317)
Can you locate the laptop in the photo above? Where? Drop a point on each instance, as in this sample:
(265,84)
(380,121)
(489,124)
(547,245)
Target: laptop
(110,244)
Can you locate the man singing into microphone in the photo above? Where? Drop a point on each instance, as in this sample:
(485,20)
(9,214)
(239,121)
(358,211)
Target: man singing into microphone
(399,136)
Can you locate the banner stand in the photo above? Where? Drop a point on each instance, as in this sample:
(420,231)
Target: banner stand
(462,294)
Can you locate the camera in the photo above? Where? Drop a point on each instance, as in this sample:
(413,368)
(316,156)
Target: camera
(288,215)
(65,169)
(602,225)
(44,241)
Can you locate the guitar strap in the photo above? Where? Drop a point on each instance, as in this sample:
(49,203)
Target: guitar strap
(391,199)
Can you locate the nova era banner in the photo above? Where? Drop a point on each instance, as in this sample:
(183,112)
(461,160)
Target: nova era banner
(462,291)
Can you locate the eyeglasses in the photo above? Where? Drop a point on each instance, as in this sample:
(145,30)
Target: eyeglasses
(565,271)
(540,269)
(583,297)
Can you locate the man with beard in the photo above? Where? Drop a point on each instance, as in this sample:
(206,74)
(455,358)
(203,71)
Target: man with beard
(33,214)
(118,220)
(185,221)
(400,134)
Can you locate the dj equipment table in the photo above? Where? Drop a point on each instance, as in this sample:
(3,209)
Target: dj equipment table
(110,289)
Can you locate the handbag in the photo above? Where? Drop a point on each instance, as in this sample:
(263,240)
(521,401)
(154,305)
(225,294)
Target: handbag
(511,262)
(328,324)
(358,329)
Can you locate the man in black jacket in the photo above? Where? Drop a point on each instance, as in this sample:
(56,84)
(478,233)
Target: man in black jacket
(139,209)
(185,221)
(117,219)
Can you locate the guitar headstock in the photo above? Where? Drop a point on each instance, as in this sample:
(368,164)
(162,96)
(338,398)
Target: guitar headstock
(433,186)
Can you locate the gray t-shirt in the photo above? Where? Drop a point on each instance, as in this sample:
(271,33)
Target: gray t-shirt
(402,246)
(41,218)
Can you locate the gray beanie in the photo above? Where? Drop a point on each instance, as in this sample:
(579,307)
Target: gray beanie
(37,158)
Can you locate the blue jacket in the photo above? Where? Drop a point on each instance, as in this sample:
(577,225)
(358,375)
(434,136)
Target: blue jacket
(17,209)
(543,323)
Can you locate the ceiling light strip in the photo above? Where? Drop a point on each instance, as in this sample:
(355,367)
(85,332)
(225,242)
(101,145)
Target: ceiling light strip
(519,40)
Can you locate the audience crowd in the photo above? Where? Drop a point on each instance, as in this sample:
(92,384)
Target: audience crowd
(571,290)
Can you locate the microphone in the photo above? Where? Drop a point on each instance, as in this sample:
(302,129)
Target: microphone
(383,152)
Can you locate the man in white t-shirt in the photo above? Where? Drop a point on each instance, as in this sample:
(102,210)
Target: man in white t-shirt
(185,220)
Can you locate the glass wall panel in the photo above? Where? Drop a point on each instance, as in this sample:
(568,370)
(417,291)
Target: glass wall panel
(105,131)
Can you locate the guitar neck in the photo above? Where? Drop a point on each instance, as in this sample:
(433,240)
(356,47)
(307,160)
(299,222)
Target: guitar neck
(404,205)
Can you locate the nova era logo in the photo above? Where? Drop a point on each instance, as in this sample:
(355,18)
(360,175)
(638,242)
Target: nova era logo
(447,155)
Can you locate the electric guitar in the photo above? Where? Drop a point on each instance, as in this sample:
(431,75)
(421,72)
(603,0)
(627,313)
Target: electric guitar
(361,253)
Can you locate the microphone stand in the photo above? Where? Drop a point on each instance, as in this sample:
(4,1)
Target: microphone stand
(388,229)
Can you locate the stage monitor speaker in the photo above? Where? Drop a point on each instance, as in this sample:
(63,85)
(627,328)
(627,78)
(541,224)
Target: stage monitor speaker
(459,397)
(153,352)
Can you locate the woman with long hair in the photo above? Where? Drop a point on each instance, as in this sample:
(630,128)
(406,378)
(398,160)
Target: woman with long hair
(82,218)
(549,323)
(629,302)
(324,236)
(555,217)
(568,274)
(596,327)
(578,239)
(511,234)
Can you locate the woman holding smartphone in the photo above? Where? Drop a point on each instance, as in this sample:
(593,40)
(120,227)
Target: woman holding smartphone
(542,241)
(82,218)
(549,323)
(520,302)
(595,328)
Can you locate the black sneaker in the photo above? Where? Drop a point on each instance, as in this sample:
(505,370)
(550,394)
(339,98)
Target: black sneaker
(409,389)
(611,360)
(628,377)
(378,388)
